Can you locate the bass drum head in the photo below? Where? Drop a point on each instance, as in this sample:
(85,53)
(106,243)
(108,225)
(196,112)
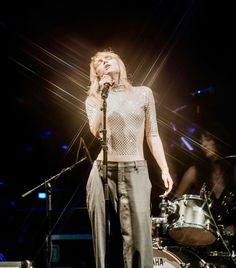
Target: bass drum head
(176,257)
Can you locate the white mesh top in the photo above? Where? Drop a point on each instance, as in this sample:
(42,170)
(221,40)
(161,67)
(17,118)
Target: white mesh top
(130,112)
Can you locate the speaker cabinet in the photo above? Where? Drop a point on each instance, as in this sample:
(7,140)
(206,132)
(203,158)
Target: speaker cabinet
(72,251)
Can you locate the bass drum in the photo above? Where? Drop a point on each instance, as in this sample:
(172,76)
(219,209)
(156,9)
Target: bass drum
(177,257)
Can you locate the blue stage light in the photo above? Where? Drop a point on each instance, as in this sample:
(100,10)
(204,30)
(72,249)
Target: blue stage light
(64,147)
(187,144)
(42,195)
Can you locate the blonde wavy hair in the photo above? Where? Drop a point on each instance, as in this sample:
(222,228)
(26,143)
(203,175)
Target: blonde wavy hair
(94,78)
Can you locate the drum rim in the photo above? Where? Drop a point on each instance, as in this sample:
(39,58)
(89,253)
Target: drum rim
(169,253)
(189,196)
(173,251)
(189,225)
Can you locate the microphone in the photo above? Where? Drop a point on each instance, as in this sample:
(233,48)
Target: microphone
(105,90)
(86,151)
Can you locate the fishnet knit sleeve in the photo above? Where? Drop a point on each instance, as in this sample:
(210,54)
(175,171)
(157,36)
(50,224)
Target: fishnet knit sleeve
(151,128)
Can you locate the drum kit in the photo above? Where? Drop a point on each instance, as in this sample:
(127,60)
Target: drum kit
(187,235)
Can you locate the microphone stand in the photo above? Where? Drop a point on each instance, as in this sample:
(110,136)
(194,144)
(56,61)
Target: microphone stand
(48,188)
(104,169)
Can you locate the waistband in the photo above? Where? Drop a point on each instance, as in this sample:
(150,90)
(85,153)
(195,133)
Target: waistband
(111,164)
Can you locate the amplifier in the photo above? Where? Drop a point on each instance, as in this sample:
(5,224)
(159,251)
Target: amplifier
(16,264)
(72,251)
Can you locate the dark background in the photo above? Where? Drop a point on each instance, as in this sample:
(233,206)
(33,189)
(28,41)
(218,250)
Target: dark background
(176,47)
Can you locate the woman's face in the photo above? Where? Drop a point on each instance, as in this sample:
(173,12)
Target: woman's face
(106,64)
(208,146)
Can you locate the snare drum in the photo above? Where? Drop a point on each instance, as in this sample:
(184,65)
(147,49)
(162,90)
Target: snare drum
(193,226)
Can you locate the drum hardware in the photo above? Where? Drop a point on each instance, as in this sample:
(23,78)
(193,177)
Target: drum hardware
(222,251)
(159,220)
(167,206)
(160,225)
(228,240)
(220,228)
(189,222)
(228,205)
(159,230)
(219,254)
(203,192)
(158,243)
(169,210)
(206,196)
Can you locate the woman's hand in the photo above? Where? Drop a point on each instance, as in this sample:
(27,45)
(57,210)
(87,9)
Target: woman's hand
(168,182)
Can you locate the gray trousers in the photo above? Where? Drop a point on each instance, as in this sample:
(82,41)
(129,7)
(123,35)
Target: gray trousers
(129,214)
